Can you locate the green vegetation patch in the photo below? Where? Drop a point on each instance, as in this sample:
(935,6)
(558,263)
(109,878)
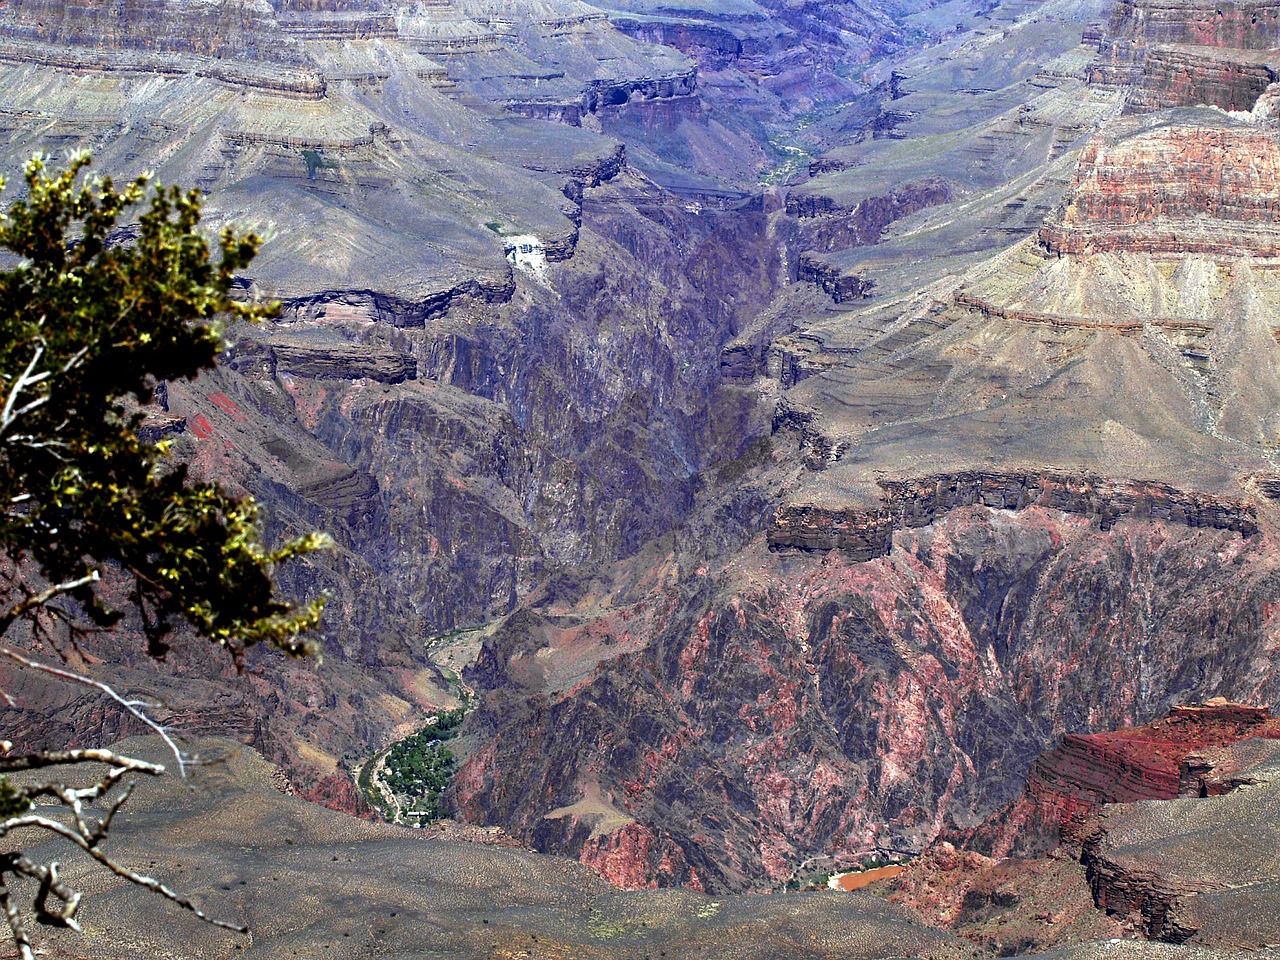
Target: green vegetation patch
(418,768)
(317,161)
(794,161)
(605,928)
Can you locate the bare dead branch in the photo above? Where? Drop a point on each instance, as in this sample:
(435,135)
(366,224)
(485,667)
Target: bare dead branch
(36,600)
(37,821)
(17,927)
(25,380)
(50,883)
(136,708)
(62,758)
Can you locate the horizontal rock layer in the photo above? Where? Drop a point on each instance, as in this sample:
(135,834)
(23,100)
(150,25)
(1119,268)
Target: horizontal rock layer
(1206,868)
(1244,24)
(1177,189)
(1161,760)
(867,533)
(1174,53)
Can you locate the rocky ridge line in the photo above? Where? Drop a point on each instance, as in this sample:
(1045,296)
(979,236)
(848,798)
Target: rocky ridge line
(864,534)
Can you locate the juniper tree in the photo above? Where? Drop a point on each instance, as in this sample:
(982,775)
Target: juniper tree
(109,292)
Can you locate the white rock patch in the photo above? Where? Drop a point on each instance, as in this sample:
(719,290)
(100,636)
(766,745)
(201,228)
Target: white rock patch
(527,255)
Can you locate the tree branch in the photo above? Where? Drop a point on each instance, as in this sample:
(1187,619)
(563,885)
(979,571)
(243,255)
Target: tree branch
(16,926)
(134,707)
(91,848)
(9,416)
(51,884)
(27,604)
(60,758)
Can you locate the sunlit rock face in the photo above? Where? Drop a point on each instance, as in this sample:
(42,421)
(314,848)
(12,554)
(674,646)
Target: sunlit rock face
(990,504)
(1150,829)
(1176,189)
(804,703)
(767,524)
(1185,53)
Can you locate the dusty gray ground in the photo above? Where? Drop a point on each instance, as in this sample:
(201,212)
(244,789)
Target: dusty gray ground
(315,883)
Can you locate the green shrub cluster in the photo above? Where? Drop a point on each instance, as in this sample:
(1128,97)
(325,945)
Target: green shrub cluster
(420,766)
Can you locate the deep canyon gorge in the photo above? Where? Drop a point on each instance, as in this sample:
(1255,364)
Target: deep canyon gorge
(796,433)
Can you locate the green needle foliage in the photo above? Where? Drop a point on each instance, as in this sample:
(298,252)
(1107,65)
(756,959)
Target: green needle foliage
(92,317)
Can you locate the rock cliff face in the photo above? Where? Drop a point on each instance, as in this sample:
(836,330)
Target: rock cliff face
(1146,863)
(793,52)
(919,502)
(1176,189)
(462,426)
(1190,52)
(942,597)
(739,577)
(1248,25)
(1141,852)
(563,43)
(989,503)
(1157,761)
(524,437)
(823,706)
(336,118)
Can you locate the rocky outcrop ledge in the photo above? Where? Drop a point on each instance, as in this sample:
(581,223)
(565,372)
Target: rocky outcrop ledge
(1176,189)
(866,533)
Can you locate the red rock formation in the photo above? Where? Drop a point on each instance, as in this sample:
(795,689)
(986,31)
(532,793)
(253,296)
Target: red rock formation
(1183,52)
(635,857)
(337,792)
(1175,189)
(1156,761)
(1244,24)
(1117,870)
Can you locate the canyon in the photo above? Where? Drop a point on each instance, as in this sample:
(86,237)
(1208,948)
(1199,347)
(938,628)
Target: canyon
(797,432)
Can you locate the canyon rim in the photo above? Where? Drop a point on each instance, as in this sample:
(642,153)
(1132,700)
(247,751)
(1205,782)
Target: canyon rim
(795,436)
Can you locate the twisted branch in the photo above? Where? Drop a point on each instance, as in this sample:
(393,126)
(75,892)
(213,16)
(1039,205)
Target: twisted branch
(135,708)
(84,830)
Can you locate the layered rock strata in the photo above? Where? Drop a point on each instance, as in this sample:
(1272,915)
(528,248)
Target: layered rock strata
(981,512)
(918,502)
(1146,849)
(800,705)
(1150,864)
(1177,189)
(1173,54)
(1177,756)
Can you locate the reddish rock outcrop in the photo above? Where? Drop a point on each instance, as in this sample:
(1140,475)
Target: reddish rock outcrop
(635,857)
(337,792)
(797,704)
(1183,52)
(1156,761)
(1242,24)
(1009,906)
(1175,189)
(1201,866)
(1124,866)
